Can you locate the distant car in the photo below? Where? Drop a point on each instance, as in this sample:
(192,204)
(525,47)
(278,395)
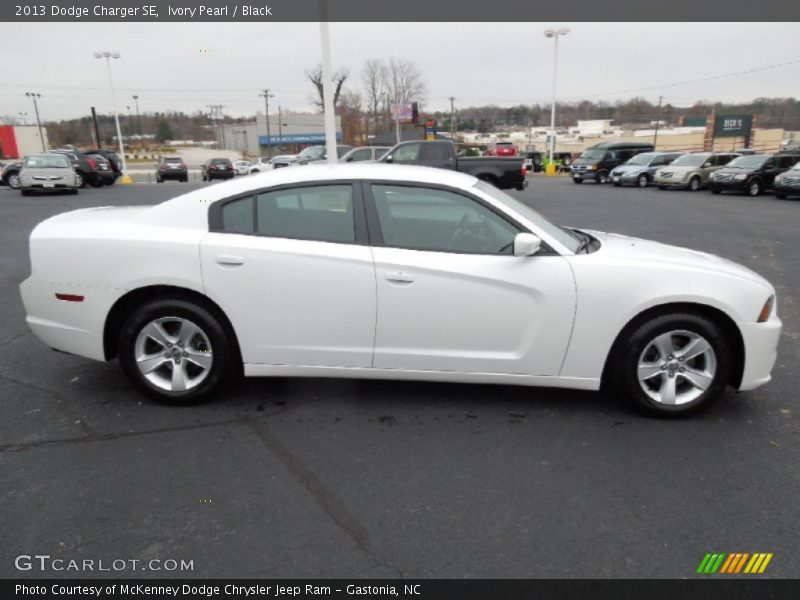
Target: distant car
(112,157)
(172,167)
(691,171)
(10,175)
(751,174)
(264,163)
(242,167)
(105,171)
(318,153)
(641,169)
(217,168)
(787,183)
(597,162)
(364,153)
(501,149)
(49,172)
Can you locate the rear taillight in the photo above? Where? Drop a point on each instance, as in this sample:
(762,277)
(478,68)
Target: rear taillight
(92,163)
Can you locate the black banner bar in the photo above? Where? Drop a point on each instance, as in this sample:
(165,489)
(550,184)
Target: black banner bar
(399,10)
(733,588)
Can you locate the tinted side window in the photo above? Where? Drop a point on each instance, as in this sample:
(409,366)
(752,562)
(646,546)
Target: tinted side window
(323,213)
(786,162)
(434,152)
(361,155)
(439,220)
(626,154)
(724,159)
(237,216)
(408,152)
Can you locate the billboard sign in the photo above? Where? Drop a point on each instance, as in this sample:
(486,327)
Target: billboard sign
(405,112)
(733,125)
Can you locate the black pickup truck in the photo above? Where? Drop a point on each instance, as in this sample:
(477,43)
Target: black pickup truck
(504,173)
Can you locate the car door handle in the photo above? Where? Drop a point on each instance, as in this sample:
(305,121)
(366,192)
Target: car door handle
(398,277)
(228,260)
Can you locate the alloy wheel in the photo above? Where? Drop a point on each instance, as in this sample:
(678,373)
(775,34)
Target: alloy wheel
(676,367)
(173,354)
(14,182)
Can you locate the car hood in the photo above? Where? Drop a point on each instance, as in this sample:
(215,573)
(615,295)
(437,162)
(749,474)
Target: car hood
(729,171)
(672,169)
(46,172)
(664,254)
(630,168)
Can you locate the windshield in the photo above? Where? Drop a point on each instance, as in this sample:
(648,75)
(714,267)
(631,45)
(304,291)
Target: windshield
(642,159)
(594,154)
(313,152)
(563,236)
(48,161)
(748,162)
(796,167)
(173,160)
(690,160)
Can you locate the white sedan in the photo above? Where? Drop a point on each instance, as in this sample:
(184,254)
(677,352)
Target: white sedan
(392,272)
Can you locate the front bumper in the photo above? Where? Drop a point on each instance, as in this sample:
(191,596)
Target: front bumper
(728,186)
(789,190)
(625,178)
(40,187)
(760,351)
(584,174)
(672,182)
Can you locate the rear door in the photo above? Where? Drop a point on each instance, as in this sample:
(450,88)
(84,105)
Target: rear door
(292,269)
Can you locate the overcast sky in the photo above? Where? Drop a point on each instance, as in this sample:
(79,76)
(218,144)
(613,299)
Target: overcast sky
(186,66)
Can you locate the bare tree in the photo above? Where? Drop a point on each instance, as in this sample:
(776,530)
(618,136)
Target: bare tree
(352,116)
(373,75)
(403,81)
(315,77)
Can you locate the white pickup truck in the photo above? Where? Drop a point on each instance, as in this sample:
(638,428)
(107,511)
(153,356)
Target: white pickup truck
(266,164)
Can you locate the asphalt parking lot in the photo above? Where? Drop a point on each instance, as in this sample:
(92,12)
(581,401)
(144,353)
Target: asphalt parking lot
(322,478)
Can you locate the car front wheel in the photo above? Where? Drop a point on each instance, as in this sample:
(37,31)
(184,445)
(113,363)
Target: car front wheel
(176,351)
(673,365)
(642,181)
(754,189)
(694,184)
(14,181)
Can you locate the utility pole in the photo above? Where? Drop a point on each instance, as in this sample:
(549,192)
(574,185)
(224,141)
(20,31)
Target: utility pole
(34,96)
(266,95)
(327,85)
(280,128)
(658,120)
(96,128)
(216,115)
(139,121)
(108,55)
(452,119)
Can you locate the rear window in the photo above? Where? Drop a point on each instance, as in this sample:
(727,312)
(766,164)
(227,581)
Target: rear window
(173,160)
(220,161)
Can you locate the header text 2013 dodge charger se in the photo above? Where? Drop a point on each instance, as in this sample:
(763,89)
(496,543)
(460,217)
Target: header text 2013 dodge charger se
(392,272)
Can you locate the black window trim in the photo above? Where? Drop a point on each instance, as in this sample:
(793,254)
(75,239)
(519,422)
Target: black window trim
(215,223)
(376,234)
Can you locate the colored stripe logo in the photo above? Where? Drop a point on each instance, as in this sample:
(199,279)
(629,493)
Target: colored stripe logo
(735,562)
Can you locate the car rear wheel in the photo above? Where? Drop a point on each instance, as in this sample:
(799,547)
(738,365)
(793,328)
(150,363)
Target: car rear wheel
(694,184)
(14,181)
(716,192)
(643,180)
(176,351)
(96,183)
(80,180)
(576,180)
(602,177)
(25,192)
(672,365)
(754,189)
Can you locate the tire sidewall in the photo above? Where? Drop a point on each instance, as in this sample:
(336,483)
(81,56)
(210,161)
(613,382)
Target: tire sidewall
(642,181)
(632,344)
(222,348)
(694,183)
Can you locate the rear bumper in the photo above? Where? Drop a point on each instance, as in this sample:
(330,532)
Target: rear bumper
(173,175)
(72,327)
(760,352)
(220,174)
(584,175)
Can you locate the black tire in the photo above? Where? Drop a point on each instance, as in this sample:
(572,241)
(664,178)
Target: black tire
(96,183)
(780,196)
(81,179)
(662,187)
(643,180)
(159,180)
(635,340)
(695,183)
(185,180)
(602,178)
(111,181)
(617,184)
(574,180)
(225,363)
(754,188)
(74,191)
(13,181)
(716,192)
(25,192)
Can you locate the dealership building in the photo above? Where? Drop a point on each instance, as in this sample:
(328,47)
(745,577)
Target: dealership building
(286,134)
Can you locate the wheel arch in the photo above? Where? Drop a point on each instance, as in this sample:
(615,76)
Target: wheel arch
(712,313)
(125,304)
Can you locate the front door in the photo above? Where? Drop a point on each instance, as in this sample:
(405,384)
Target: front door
(453,297)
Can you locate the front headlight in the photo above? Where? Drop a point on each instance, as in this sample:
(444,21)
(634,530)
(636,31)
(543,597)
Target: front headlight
(740,177)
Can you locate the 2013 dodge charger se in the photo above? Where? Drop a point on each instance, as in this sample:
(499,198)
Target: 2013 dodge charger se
(392,272)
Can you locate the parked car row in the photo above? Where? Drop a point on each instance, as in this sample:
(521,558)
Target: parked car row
(95,167)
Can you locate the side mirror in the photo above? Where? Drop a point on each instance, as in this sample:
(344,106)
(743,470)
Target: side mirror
(388,158)
(526,244)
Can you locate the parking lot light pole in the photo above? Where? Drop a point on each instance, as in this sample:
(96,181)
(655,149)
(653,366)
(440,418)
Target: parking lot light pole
(34,96)
(555,34)
(327,85)
(108,56)
(138,121)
